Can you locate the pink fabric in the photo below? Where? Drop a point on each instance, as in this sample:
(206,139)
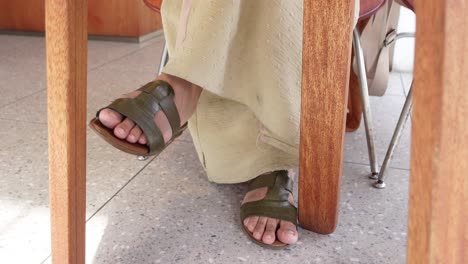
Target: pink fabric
(369,7)
(408,3)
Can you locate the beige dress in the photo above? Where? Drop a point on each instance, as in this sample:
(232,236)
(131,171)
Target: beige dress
(246,55)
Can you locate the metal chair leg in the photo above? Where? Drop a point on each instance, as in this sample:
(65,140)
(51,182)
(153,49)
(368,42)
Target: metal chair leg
(362,77)
(405,112)
(164,60)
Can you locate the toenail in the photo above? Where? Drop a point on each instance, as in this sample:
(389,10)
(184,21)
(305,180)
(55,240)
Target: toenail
(131,138)
(120,131)
(291,233)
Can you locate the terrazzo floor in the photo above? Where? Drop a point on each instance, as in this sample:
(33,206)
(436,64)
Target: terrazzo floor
(164,210)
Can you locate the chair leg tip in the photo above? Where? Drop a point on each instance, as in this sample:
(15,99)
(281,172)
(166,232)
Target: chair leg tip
(142,158)
(379,184)
(374,176)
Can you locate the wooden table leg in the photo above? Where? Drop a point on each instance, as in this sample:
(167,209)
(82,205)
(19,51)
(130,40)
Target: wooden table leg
(325,75)
(66,43)
(438,217)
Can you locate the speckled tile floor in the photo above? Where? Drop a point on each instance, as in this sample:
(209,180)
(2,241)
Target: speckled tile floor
(164,210)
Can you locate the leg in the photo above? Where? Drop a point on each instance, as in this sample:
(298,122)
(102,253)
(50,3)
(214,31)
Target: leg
(380,184)
(66,81)
(365,103)
(439,164)
(327,31)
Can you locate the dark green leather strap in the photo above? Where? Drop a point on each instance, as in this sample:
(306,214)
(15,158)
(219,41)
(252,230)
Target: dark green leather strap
(275,204)
(164,94)
(269,180)
(154,97)
(142,114)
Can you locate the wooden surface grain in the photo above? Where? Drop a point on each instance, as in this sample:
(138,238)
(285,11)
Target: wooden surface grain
(27,15)
(149,20)
(438,207)
(325,74)
(130,18)
(66,47)
(124,18)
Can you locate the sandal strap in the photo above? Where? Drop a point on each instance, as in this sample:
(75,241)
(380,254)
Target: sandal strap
(154,97)
(283,211)
(269,180)
(164,95)
(276,203)
(142,112)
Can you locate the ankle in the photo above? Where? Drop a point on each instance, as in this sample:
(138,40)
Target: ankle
(186,95)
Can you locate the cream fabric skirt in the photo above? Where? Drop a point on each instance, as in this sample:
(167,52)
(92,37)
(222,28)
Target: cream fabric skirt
(246,55)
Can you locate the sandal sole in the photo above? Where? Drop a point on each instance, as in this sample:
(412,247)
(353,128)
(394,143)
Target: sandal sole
(131,148)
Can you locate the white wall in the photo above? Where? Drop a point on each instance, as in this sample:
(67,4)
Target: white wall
(404,49)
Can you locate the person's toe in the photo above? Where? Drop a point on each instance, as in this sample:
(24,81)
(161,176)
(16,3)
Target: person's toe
(253,220)
(269,235)
(246,221)
(110,118)
(134,134)
(142,140)
(287,233)
(123,129)
(260,228)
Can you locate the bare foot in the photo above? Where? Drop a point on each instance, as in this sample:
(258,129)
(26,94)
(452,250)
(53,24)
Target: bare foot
(186,99)
(268,229)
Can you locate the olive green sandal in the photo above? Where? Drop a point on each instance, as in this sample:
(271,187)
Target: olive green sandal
(154,97)
(274,205)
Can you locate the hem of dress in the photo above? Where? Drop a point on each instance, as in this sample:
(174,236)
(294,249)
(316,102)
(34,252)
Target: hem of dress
(251,175)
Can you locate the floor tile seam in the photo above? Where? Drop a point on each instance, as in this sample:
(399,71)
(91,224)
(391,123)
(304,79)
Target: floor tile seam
(125,55)
(112,197)
(365,164)
(89,70)
(24,121)
(139,172)
(120,190)
(22,98)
